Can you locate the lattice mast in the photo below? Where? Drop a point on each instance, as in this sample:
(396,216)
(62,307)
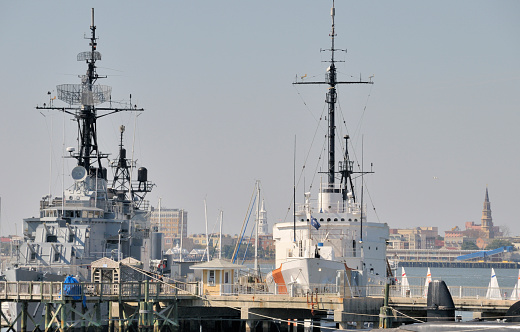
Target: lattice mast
(121,181)
(82,99)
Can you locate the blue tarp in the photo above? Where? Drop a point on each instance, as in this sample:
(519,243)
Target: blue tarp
(484,254)
(71,287)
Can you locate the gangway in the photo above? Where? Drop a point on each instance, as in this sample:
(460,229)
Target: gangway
(485,253)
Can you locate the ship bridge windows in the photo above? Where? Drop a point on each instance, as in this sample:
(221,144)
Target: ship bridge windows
(92,214)
(328,219)
(50,213)
(335,219)
(69,214)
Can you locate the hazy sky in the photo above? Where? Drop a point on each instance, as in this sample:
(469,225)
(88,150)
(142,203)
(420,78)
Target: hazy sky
(439,124)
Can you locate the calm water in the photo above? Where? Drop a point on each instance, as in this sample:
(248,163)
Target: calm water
(471,277)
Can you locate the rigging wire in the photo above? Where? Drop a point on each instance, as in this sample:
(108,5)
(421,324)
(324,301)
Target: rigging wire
(172,283)
(354,150)
(244,223)
(248,243)
(318,126)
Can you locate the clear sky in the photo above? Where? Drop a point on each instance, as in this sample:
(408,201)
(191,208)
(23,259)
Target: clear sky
(439,124)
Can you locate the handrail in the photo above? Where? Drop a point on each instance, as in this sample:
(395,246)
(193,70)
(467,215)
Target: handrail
(50,291)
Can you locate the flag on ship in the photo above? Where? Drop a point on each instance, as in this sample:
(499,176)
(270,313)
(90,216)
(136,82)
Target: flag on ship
(315,223)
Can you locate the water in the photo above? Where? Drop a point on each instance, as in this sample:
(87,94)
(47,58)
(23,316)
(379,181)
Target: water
(469,277)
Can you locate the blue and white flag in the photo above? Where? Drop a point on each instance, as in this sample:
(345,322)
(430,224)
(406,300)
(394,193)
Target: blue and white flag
(315,223)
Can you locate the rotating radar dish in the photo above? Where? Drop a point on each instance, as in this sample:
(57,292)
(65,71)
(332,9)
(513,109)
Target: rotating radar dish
(79,173)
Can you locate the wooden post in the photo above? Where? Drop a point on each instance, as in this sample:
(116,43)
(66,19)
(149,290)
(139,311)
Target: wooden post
(98,316)
(48,322)
(63,316)
(72,313)
(83,321)
(156,326)
(23,324)
(110,318)
(146,315)
(139,318)
(149,308)
(121,322)
(386,322)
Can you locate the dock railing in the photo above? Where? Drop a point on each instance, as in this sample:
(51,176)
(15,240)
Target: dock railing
(55,291)
(52,291)
(461,292)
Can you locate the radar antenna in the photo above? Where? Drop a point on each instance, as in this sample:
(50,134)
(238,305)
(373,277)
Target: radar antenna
(86,96)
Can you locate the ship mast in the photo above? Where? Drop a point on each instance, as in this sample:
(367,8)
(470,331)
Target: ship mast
(331,97)
(86,96)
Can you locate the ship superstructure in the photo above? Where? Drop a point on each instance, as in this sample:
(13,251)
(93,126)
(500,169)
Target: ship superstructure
(95,217)
(331,236)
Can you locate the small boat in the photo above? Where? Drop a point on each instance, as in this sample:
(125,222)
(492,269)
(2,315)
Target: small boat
(427,282)
(405,285)
(493,291)
(515,294)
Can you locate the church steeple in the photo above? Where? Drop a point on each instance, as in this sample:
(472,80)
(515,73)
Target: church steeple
(263,228)
(487,220)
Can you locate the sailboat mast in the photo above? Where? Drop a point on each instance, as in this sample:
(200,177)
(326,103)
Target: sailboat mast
(220,235)
(256,225)
(207,235)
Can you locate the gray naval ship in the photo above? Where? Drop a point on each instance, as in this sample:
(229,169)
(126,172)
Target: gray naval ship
(95,217)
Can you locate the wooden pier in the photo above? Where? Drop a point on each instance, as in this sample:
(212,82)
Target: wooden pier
(157,306)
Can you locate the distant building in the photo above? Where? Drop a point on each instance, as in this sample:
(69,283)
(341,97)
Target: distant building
(263,227)
(413,238)
(480,234)
(455,241)
(171,222)
(486,220)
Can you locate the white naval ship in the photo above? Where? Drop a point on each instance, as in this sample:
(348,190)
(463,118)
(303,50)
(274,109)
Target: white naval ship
(95,217)
(330,238)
